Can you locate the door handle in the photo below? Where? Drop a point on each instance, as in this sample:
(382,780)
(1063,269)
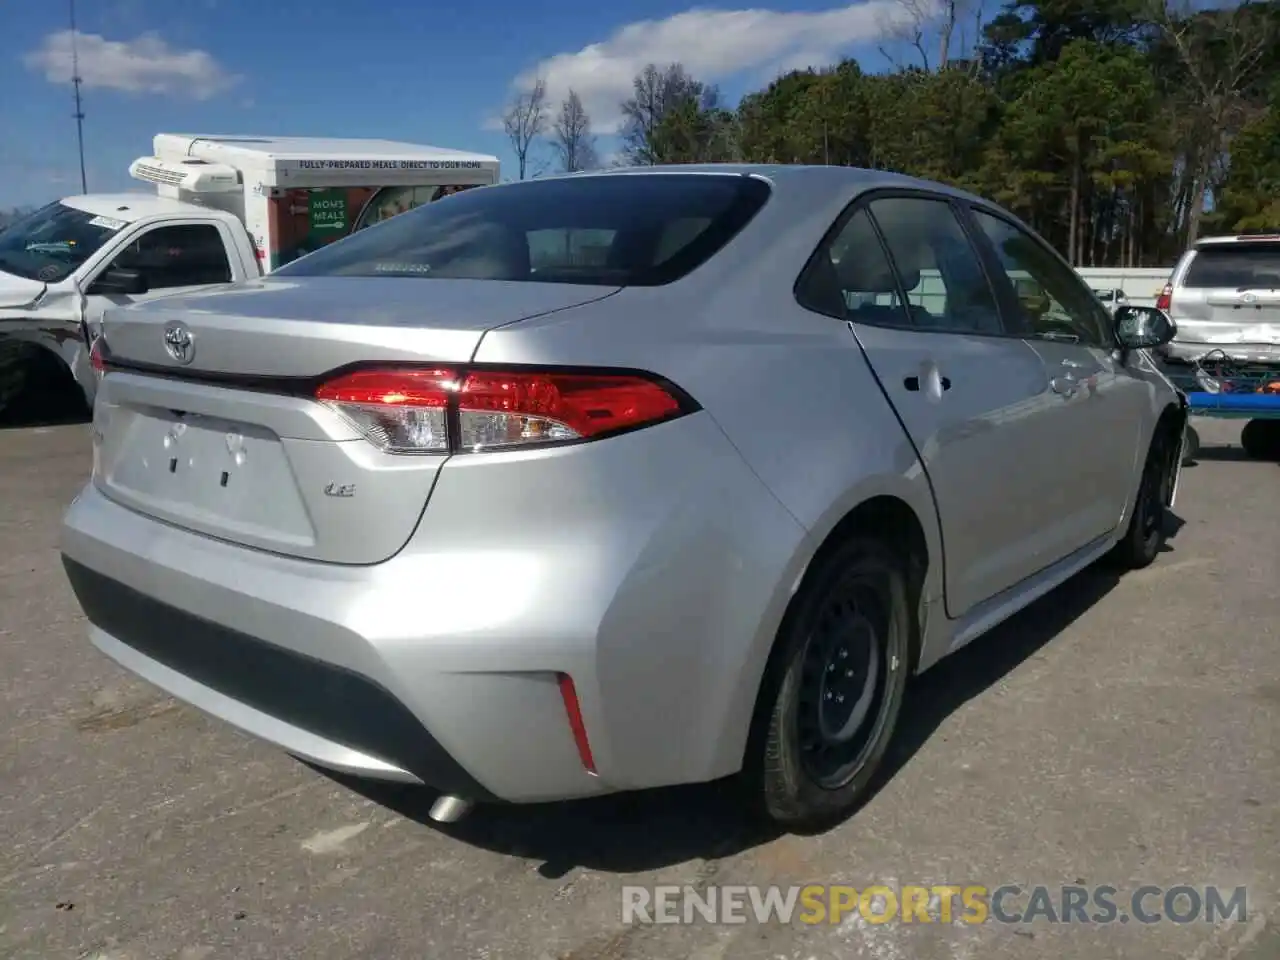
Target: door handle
(913,383)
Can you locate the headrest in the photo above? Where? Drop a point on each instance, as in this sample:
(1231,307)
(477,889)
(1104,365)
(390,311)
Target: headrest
(871,274)
(487,251)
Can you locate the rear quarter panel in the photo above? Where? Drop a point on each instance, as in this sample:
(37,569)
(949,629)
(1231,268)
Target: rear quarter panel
(790,389)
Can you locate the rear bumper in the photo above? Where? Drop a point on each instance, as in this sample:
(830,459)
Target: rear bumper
(1186,351)
(653,575)
(312,708)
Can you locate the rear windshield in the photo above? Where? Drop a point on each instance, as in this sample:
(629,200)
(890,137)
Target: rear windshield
(631,229)
(1237,267)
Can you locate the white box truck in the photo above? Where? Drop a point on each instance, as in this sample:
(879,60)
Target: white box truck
(226,209)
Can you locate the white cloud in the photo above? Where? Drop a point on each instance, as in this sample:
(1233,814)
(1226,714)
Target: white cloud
(145,64)
(712,45)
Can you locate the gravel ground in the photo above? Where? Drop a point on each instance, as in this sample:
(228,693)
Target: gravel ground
(1120,733)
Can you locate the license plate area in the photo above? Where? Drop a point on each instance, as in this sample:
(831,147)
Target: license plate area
(221,477)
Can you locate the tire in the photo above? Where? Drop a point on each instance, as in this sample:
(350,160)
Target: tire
(14,363)
(1261,439)
(1144,538)
(852,615)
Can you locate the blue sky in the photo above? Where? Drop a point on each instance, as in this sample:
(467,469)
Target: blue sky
(435,73)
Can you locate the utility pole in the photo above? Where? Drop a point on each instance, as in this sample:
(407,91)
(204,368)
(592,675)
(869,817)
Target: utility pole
(75,82)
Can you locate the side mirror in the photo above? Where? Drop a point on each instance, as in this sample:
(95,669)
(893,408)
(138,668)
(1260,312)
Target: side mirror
(1138,328)
(129,283)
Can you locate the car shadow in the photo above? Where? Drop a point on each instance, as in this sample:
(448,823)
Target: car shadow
(646,830)
(1225,454)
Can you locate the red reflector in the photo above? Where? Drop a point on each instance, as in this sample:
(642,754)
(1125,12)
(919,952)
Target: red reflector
(574,711)
(391,387)
(96,360)
(587,404)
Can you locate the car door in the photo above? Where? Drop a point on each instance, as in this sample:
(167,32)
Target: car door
(173,257)
(1099,415)
(970,396)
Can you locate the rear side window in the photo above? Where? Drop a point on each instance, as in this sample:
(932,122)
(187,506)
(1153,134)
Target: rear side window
(614,230)
(939,267)
(1237,266)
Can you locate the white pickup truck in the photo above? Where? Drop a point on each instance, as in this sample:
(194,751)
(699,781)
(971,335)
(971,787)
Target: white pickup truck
(226,209)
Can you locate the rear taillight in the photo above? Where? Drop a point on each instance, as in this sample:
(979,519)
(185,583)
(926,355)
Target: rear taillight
(1165,300)
(421,410)
(97,360)
(400,410)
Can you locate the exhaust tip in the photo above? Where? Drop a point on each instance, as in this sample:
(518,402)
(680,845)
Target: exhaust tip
(449,809)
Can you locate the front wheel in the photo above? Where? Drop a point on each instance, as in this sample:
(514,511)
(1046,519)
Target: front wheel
(836,686)
(1144,538)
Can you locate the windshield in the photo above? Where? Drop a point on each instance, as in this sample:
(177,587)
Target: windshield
(1238,266)
(51,243)
(616,230)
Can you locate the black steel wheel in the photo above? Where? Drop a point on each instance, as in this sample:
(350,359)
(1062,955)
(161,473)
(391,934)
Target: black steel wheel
(842,682)
(835,687)
(1145,536)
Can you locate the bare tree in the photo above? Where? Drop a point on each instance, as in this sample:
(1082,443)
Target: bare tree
(918,23)
(525,121)
(571,137)
(656,91)
(1220,52)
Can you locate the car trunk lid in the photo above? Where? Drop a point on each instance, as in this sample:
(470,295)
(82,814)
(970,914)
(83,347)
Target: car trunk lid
(207,418)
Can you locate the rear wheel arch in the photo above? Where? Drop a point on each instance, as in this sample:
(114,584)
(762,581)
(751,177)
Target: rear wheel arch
(892,521)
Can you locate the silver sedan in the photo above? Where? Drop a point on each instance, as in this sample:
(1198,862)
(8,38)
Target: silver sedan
(615,481)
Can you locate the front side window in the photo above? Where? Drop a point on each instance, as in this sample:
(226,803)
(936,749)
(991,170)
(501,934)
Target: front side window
(188,255)
(617,230)
(1056,304)
(51,243)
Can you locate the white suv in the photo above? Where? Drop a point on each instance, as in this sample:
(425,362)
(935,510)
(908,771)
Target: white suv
(1224,295)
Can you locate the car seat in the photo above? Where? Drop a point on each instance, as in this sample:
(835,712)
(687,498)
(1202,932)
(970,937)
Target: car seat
(491,252)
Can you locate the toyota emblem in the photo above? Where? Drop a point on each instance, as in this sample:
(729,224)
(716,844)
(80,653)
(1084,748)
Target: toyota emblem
(179,342)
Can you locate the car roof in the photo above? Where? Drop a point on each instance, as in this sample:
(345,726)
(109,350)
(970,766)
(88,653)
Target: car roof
(129,206)
(813,180)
